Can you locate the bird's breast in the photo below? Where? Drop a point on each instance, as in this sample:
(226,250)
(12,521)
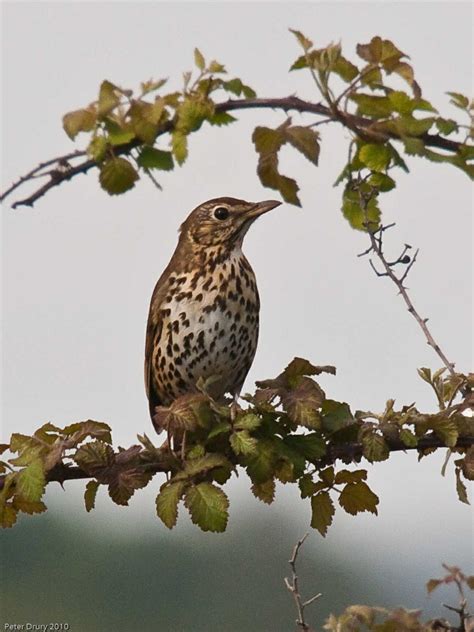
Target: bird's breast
(209,328)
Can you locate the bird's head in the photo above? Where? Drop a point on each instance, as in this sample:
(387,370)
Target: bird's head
(222,221)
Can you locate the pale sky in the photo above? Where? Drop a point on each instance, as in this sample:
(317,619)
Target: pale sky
(79,268)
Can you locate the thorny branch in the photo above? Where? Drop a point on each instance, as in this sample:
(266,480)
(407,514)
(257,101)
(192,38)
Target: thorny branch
(62,170)
(376,246)
(293,587)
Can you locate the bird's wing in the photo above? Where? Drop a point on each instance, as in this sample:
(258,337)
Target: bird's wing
(153,334)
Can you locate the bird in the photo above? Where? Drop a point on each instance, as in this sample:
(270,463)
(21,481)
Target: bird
(203,319)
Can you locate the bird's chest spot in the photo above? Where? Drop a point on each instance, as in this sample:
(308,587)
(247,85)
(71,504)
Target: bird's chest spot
(210,323)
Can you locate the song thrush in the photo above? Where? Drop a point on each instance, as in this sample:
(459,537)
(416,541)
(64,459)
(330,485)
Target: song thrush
(204,312)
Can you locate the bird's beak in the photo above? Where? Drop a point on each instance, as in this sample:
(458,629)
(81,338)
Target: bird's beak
(262,207)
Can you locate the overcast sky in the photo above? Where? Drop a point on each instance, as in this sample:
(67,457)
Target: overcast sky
(79,268)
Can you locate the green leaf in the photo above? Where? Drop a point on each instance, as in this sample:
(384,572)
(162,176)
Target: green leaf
(199,59)
(108,98)
(382,181)
(357,497)
(446,126)
(447,431)
(346,476)
(375,447)
(375,156)
(304,42)
(322,509)
(167,502)
(30,481)
(116,134)
(216,68)
(94,456)
(312,446)
(242,442)
(305,140)
(152,158)
(459,100)
(202,465)
(90,494)
(97,148)
(78,121)
(374,106)
(401,102)
(179,146)
(345,69)
(221,118)
(461,488)
(260,465)
(408,438)
(208,507)
(336,415)
(264,491)
(8,516)
(117,175)
(248,421)
(307,486)
(414,146)
(219,429)
(357,216)
(302,403)
(28,506)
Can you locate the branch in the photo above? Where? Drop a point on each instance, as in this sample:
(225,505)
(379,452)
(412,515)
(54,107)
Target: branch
(293,587)
(377,248)
(358,124)
(347,452)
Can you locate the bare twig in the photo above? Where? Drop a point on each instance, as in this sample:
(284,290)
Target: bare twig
(358,124)
(293,588)
(376,247)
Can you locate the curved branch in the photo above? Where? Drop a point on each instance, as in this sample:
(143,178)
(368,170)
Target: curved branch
(64,171)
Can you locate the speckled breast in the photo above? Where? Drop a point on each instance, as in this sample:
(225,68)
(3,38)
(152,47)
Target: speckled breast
(209,328)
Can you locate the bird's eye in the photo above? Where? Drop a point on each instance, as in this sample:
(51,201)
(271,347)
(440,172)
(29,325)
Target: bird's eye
(221,213)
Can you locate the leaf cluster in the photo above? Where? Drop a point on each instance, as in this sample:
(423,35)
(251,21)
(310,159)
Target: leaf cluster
(289,432)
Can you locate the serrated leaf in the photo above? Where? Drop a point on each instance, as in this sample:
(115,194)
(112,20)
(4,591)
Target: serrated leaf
(208,507)
(167,502)
(375,156)
(346,476)
(357,497)
(382,181)
(117,175)
(305,140)
(345,69)
(459,100)
(78,121)
(201,465)
(305,43)
(302,403)
(414,146)
(242,443)
(370,105)
(117,134)
(108,98)
(79,431)
(30,481)
(447,431)
(216,68)
(248,421)
(94,456)
(322,514)
(336,415)
(375,447)
(8,516)
(312,446)
(264,491)
(221,118)
(461,488)
(199,59)
(307,486)
(151,158)
(97,148)
(260,465)
(219,429)
(90,494)
(432,584)
(408,438)
(28,506)
(356,215)
(267,171)
(179,146)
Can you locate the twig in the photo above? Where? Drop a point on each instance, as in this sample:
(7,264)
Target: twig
(376,248)
(293,588)
(356,123)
